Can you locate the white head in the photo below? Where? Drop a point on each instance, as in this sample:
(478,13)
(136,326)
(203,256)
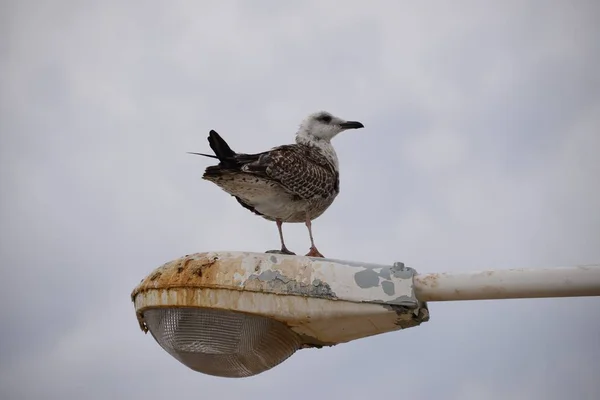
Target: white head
(322,126)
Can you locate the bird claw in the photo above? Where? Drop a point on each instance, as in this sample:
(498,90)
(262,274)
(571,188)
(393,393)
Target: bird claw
(314,253)
(282,251)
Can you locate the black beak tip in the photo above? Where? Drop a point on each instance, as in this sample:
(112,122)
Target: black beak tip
(352,125)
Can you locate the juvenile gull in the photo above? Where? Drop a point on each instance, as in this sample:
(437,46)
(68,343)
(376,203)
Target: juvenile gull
(289,183)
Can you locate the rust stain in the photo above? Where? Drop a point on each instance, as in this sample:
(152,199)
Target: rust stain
(194,270)
(155,275)
(140,318)
(199,270)
(430,280)
(493,289)
(408,318)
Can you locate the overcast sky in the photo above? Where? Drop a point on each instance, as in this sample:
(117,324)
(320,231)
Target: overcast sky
(480,150)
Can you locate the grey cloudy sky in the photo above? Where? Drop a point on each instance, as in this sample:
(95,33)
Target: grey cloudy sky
(480,151)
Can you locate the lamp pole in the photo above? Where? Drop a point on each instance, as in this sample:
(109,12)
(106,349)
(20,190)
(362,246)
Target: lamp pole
(237,314)
(509,284)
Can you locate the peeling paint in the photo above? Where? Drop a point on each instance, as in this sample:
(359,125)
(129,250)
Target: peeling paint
(283,274)
(388,288)
(404,301)
(274,280)
(409,315)
(322,290)
(398,270)
(366,278)
(369,277)
(270,275)
(241,277)
(385,274)
(325,302)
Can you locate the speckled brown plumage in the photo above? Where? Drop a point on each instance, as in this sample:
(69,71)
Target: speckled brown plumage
(289,183)
(298,174)
(300,169)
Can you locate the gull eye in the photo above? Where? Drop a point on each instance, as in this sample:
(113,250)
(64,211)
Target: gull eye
(324,118)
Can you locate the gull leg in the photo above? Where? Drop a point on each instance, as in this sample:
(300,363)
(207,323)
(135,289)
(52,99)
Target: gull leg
(313,249)
(284,250)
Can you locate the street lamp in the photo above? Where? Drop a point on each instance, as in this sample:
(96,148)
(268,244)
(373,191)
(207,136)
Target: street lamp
(237,314)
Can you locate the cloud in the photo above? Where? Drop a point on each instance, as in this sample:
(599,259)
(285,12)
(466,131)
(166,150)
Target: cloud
(480,151)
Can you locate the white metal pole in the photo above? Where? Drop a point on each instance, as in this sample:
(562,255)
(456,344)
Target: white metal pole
(509,284)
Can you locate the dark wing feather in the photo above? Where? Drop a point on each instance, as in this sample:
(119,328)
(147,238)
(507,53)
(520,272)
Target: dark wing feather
(232,164)
(301,170)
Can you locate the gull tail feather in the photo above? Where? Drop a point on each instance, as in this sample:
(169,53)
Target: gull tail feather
(202,154)
(222,151)
(226,156)
(220,147)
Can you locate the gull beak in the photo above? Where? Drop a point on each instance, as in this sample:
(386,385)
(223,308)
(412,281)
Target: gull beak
(351,125)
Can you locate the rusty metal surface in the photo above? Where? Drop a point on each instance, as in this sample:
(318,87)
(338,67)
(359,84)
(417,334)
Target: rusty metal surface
(324,301)
(290,275)
(328,301)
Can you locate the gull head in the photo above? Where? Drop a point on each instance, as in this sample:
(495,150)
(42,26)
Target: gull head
(321,125)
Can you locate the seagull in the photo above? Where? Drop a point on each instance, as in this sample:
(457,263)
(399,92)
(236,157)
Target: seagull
(292,183)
